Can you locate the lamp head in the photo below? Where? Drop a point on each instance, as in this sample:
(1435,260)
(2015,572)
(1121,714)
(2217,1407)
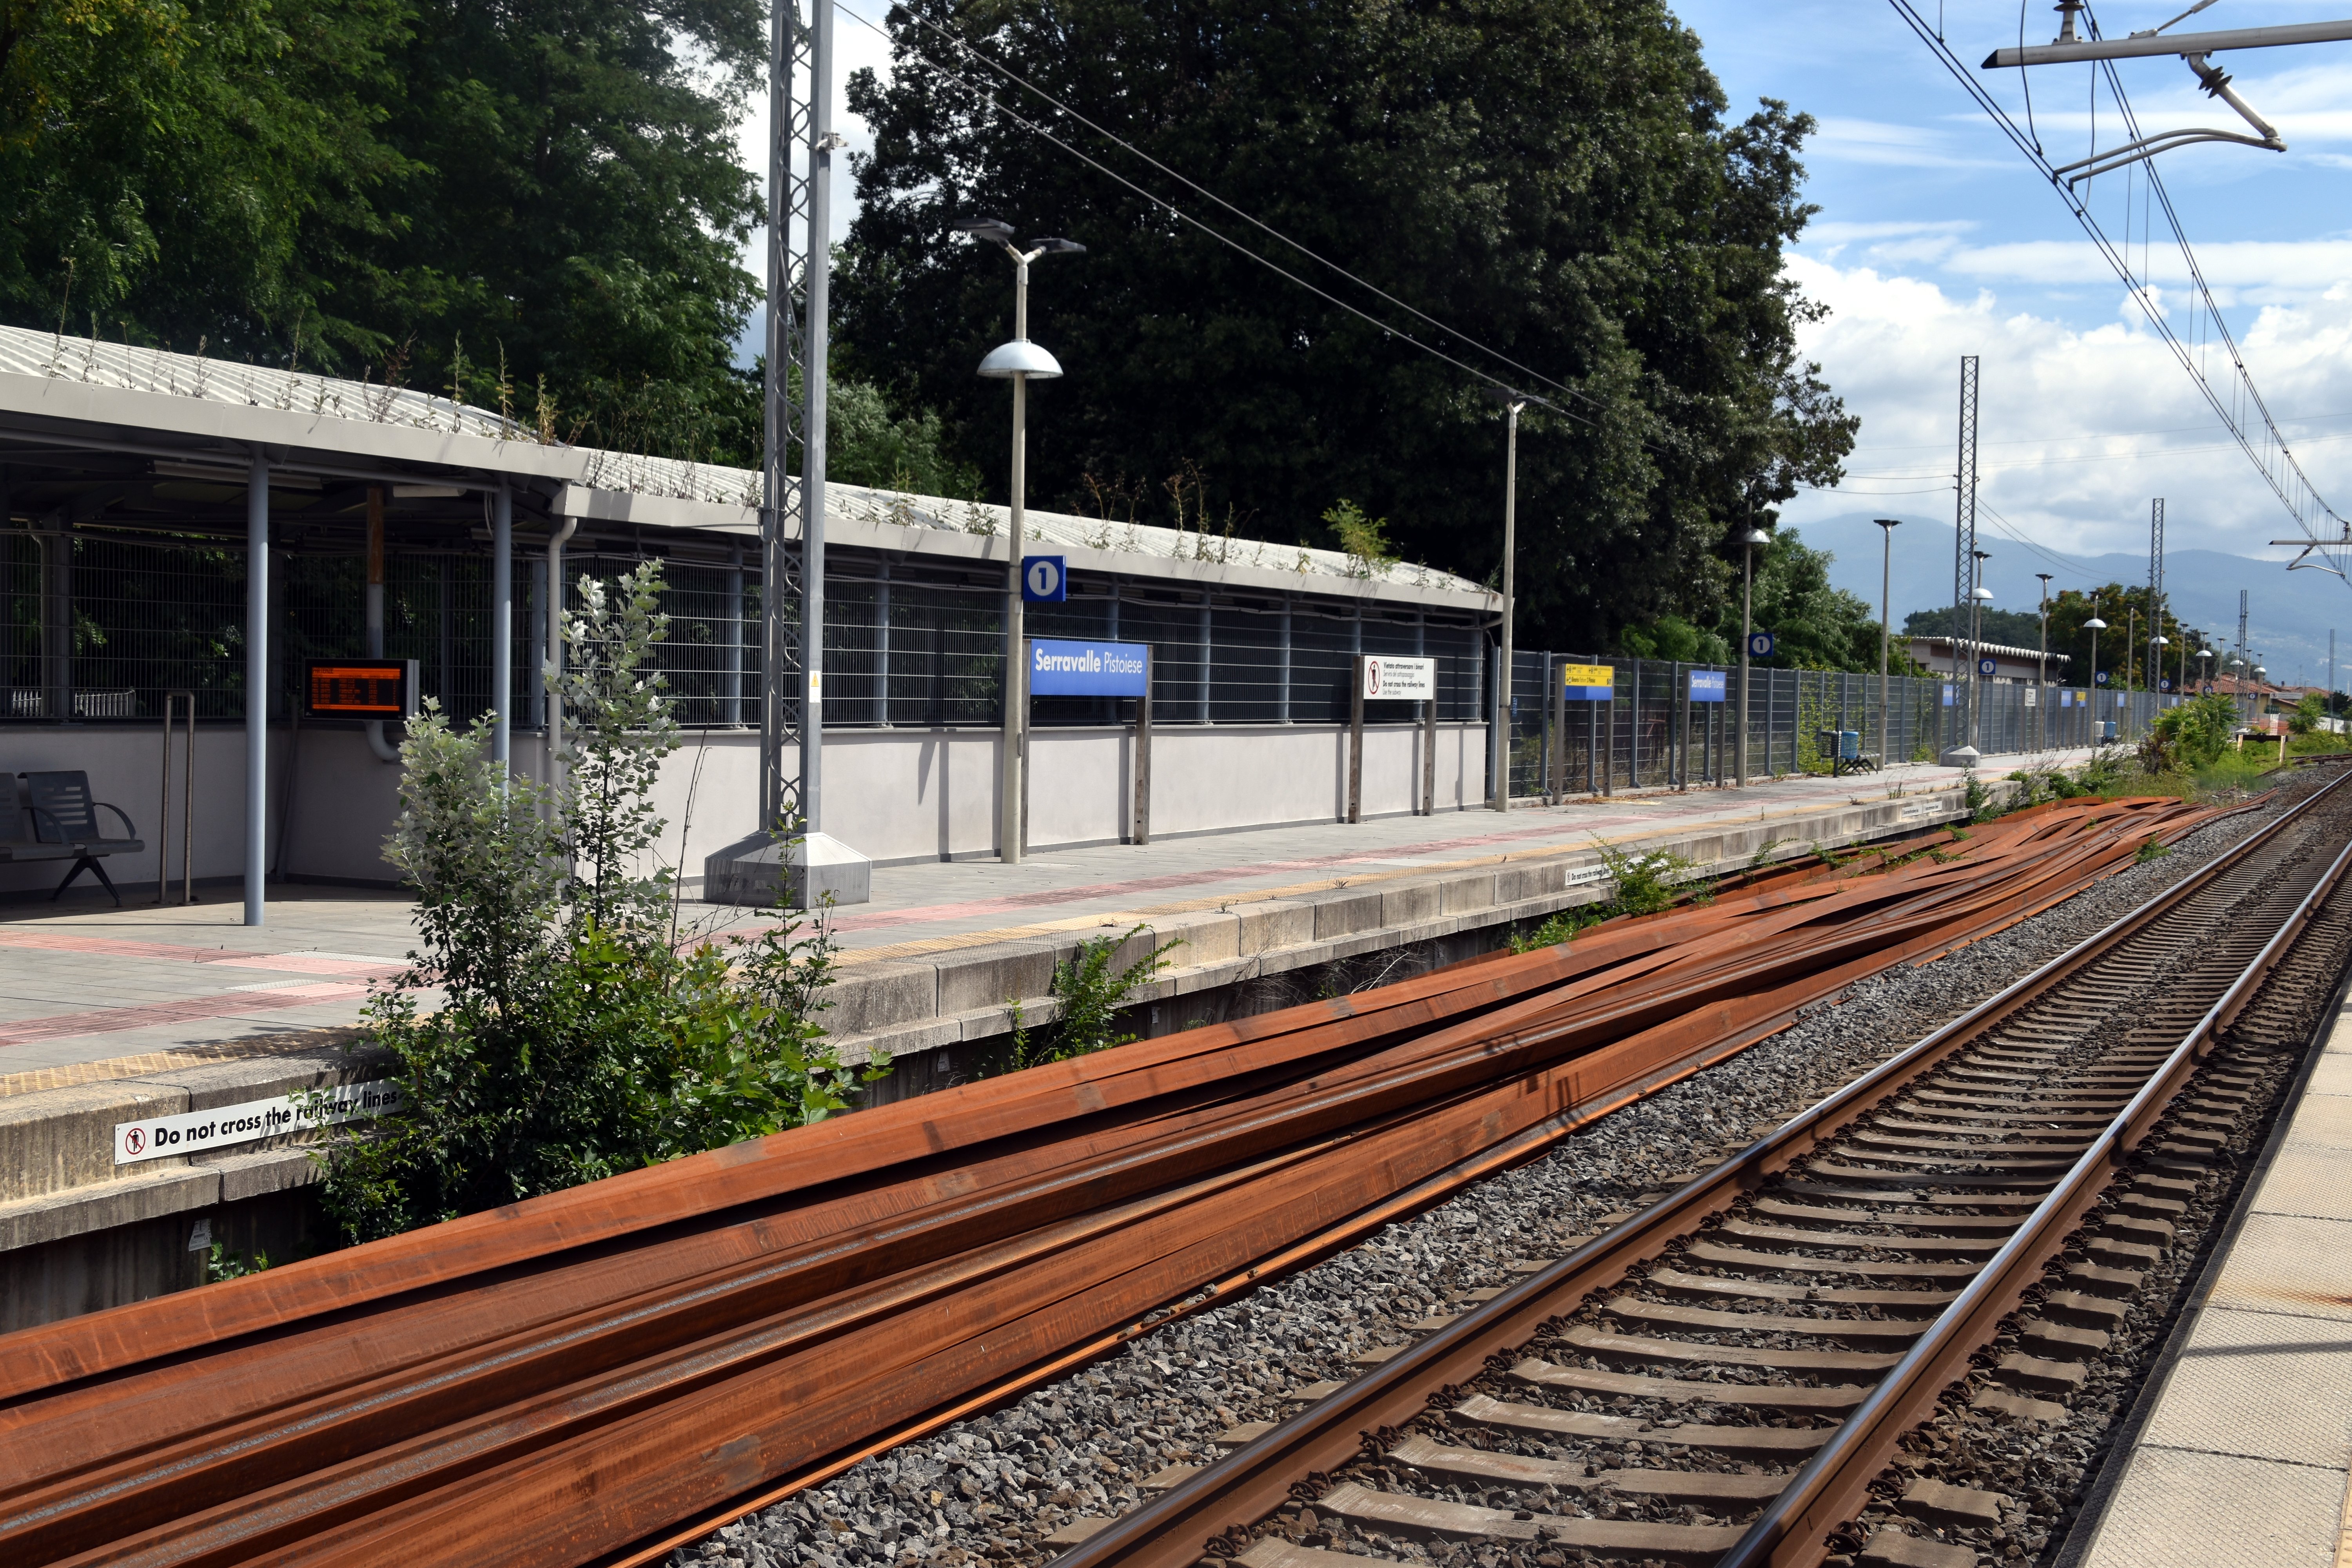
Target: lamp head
(1019,357)
(2095,624)
(1887,521)
(1061,247)
(1755,537)
(992,228)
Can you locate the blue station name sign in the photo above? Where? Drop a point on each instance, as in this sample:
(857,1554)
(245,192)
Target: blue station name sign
(1087,669)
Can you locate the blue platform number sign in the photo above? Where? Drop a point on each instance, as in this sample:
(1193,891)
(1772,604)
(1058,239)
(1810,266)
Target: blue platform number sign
(1986,667)
(1059,669)
(1707,685)
(2101,678)
(1759,645)
(2165,684)
(1042,580)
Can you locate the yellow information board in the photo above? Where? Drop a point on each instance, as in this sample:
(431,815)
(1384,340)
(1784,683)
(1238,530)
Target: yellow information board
(1589,682)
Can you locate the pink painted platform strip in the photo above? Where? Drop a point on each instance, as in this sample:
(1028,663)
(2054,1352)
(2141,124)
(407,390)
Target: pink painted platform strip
(226,1004)
(175,953)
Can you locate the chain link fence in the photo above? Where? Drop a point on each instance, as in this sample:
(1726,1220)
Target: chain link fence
(1650,735)
(908,645)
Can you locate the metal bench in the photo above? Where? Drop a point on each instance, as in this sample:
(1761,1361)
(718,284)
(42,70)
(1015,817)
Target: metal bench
(18,840)
(65,821)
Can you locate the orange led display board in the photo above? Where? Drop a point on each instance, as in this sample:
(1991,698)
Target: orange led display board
(359,689)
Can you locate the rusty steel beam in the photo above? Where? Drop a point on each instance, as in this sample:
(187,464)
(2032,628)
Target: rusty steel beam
(572,1374)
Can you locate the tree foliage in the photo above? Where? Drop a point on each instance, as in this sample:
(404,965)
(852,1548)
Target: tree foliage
(1555,177)
(1814,624)
(575,1040)
(535,204)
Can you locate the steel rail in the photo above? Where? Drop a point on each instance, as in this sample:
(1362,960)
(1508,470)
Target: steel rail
(1438,1105)
(1171,1530)
(1832,1484)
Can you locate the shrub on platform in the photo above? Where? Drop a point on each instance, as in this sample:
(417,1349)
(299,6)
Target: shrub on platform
(575,1040)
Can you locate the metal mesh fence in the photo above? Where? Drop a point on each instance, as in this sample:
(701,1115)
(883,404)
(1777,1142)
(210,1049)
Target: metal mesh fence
(908,644)
(1650,734)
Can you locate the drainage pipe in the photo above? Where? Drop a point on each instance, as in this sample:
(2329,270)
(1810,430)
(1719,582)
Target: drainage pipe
(554,668)
(385,751)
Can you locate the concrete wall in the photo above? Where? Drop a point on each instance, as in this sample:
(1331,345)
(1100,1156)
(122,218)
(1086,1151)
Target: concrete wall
(898,795)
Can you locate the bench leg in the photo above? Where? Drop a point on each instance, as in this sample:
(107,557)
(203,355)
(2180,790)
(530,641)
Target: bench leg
(81,863)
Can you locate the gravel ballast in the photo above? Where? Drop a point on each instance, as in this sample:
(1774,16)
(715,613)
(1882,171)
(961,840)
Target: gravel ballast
(1087,1444)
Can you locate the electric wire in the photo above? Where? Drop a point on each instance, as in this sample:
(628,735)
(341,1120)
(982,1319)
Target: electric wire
(1179,213)
(958,42)
(2029,145)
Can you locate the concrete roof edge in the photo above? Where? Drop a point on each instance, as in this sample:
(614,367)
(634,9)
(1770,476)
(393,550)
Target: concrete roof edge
(304,435)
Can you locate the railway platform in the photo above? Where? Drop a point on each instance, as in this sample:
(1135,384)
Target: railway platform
(112,1016)
(91,992)
(2241,1456)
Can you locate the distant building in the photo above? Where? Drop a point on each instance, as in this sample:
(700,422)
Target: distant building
(2011,666)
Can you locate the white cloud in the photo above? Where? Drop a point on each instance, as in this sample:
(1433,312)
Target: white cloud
(2079,426)
(1883,142)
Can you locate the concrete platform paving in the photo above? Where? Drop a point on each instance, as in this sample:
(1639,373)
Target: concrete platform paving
(2246,1455)
(88,991)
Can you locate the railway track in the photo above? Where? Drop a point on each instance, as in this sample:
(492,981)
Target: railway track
(587,1377)
(1725,1377)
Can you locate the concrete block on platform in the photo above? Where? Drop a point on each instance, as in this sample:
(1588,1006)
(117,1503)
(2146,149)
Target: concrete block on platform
(1462,895)
(1210,936)
(254,1175)
(1344,913)
(1000,972)
(64,1138)
(865,997)
(107,1206)
(1412,904)
(1516,884)
(1273,924)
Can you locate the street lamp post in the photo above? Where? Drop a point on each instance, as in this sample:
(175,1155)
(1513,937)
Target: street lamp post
(2041,675)
(1886,527)
(1978,594)
(1500,739)
(1751,539)
(1017,362)
(2095,626)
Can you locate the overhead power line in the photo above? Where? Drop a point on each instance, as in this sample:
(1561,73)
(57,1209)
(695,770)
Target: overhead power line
(958,42)
(2242,409)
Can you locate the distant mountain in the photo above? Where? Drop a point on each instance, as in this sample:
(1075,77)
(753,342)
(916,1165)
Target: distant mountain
(2288,615)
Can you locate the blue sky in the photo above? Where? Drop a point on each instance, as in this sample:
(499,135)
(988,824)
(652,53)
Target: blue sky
(1935,238)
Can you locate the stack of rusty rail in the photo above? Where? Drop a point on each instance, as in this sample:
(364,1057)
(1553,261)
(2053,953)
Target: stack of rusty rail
(569,1378)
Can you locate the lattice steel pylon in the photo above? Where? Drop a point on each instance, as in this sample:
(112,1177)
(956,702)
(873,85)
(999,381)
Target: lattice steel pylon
(791,733)
(2155,593)
(1964,547)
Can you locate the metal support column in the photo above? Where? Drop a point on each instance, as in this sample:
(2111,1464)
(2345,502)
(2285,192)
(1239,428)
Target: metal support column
(257,685)
(502,628)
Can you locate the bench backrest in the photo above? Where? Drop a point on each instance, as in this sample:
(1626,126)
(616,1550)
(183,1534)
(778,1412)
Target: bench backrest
(15,822)
(64,811)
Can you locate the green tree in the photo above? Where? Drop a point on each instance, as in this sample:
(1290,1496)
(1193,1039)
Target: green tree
(186,169)
(2015,628)
(1814,625)
(534,205)
(574,1040)
(2122,642)
(1556,177)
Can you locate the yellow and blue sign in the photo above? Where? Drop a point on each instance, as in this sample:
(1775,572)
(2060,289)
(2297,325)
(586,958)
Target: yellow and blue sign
(1589,682)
